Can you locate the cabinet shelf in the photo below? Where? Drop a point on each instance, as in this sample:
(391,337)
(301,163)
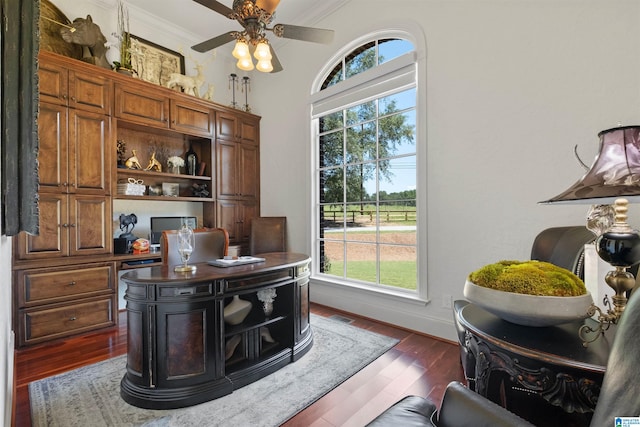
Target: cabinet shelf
(270,351)
(252,322)
(164,198)
(141,174)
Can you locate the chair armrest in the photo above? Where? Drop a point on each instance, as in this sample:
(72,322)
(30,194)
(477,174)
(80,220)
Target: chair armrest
(462,407)
(411,411)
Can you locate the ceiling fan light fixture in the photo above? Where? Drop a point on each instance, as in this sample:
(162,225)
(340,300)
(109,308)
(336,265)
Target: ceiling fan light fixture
(265,65)
(263,52)
(245,64)
(241,50)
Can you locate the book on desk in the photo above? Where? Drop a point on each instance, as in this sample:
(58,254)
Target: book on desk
(234,262)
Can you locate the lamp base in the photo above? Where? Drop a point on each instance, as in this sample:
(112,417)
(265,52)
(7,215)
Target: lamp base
(185,268)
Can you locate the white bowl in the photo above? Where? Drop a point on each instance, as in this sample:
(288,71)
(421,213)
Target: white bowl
(529,310)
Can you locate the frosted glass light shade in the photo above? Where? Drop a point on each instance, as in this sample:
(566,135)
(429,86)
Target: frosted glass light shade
(245,64)
(262,51)
(241,50)
(265,66)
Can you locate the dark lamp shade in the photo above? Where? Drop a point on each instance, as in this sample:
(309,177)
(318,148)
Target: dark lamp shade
(614,173)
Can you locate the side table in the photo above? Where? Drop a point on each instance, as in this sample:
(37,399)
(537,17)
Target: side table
(543,374)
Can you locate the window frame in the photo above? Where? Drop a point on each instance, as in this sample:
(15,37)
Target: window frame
(393,76)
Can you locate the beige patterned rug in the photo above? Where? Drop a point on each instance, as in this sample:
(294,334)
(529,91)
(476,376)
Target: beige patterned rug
(90,396)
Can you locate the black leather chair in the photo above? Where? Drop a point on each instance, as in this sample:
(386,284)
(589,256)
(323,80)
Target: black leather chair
(563,246)
(461,407)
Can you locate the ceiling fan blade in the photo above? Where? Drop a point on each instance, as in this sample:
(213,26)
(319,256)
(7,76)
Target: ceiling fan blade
(275,62)
(307,34)
(268,5)
(216,7)
(214,42)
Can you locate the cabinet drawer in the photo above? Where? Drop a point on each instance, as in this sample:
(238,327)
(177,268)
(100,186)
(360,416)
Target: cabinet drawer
(59,284)
(64,320)
(259,280)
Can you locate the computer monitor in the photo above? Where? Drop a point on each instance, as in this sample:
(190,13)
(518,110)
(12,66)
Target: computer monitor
(161,223)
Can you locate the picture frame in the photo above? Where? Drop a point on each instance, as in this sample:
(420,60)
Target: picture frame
(154,63)
(170,189)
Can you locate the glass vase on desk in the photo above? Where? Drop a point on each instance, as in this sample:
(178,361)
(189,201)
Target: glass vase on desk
(186,243)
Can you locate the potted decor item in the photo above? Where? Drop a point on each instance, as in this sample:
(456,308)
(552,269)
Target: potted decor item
(236,311)
(124,65)
(175,163)
(530,293)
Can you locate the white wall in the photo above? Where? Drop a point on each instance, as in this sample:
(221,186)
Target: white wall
(512,86)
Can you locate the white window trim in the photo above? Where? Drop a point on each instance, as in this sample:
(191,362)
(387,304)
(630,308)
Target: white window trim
(414,62)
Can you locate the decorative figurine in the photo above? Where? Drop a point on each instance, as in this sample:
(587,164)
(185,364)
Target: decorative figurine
(154,165)
(189,84)
(85,33)
(200,190)
(208,95)
(127,224)
(132,162)
(121,150)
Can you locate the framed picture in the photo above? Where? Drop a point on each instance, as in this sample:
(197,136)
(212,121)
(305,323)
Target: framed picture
(154,63)
(170,189)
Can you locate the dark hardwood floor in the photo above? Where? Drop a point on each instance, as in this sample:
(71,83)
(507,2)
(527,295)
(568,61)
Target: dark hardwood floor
(418,364)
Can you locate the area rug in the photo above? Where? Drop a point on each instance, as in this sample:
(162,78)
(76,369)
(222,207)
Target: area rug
(90,396)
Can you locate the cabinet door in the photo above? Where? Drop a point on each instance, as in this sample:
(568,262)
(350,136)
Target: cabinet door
(226,168)
(235,216)
(191,117)
(247,210)
(141,106)
(187,335)
(304,312)
(52,153)
(226,126)
(89,92)
(227,218)
(89,153)
(53,83)
(249,131)
(52,239)
(249,170)
(89,225)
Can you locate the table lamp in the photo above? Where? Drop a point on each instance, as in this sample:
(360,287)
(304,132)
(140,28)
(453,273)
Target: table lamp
(614,177)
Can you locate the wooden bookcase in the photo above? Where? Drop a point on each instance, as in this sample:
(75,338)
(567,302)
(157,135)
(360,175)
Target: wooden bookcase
(84,111)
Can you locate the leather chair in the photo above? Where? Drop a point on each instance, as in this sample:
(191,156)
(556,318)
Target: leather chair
(210,243)
(268,234)
(563,246)
(462,407)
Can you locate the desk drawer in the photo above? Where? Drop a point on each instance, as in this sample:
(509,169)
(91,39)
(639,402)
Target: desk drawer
(42,325)
(43,286)
(258,280)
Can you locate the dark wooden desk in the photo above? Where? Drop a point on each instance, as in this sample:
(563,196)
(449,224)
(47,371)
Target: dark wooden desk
(178,339)
(544,374)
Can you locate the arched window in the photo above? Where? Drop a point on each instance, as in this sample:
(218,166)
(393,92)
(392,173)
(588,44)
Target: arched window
(365,180)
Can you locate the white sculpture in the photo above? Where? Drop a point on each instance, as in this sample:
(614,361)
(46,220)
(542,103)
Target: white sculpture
(189,84)
(208,95)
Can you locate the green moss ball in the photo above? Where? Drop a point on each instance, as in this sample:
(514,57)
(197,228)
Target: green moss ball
(529,277)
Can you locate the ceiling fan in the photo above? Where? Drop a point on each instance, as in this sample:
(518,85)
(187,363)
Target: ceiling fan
(255,16)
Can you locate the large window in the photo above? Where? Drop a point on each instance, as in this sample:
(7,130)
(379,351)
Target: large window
(366,168)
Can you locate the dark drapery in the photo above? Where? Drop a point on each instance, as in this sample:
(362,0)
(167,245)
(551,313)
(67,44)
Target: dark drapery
(19,96)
